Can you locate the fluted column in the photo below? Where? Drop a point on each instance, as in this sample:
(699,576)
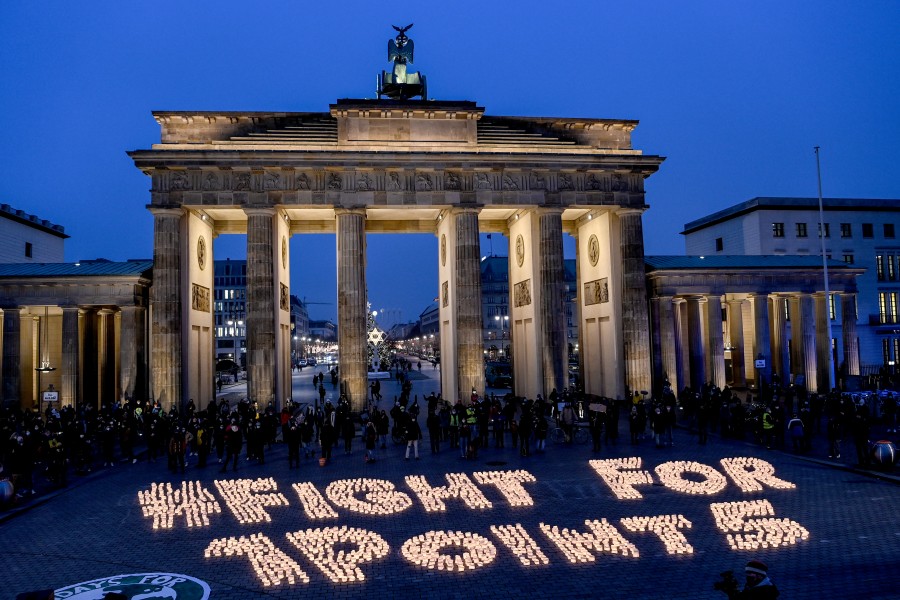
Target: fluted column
(761,341)
(808,338)
(780,356)
(635,322)
(261,305)
(716,343)
(131,354)
(736,339)
(71,344)
(351,263)
(848,329)
(678,311)
(165,301)
(106,360)
(667,337)
(12,377)
(552,301)
(823,343)
(695,341)
(468,309)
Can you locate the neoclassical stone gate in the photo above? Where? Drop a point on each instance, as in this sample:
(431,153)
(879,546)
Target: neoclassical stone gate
(372,166)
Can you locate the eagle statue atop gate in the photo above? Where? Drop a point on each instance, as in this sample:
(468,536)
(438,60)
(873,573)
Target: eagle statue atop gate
(401,84)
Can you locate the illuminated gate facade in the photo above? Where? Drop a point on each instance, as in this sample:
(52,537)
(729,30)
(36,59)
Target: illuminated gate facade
(389,166)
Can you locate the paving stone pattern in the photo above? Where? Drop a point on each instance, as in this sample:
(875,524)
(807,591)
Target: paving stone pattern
(95,527)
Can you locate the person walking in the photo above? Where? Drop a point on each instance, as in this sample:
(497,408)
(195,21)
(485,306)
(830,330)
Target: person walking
(433,423)
(234,440)
(795,429)
(371,438)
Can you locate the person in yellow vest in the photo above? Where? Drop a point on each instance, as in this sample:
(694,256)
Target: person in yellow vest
(768,425)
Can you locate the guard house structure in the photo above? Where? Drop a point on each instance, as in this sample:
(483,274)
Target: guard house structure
(742,320)
(394,166)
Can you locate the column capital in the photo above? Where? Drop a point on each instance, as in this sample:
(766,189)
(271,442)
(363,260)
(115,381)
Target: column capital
(349,211)
(548,210)
(622,212)
(166,211)
(734,301)
(465,210)
(262,211)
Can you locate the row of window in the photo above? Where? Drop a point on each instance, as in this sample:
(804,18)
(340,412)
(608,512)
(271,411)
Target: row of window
(887,266)
(888,309)
(868,230)
(890,349)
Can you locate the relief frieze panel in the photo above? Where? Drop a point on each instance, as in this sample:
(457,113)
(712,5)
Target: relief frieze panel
(522,293)
(200,298)
(596,292)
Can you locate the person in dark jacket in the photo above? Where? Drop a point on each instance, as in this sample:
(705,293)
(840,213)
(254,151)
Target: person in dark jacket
(234,439)
(413,435)
(757,584)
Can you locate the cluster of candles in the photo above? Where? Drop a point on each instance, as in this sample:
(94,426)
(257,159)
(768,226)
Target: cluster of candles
(247,500)
(521,544)
(426,550)
(671,476)
(750,473)
(577,546)
(744,533)
(381,497)
(622,483)
(314,504)
(459,486)
(509,483)
(271,565)
(665,527)
(341,566)
(192,501)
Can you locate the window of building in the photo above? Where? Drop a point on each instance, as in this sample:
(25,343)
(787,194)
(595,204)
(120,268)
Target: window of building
(801,230)
(886,351)
(868,230)
(827,229)
(887,307)
(720,245)
(889,231)
(891,270)
(778,230)
(879,267)
(831,307)
(848,258)
(28,248)
(846,230)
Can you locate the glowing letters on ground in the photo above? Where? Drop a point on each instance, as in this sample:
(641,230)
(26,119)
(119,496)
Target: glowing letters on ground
(509,483)
(247,504)
(666,529)
(341,566)
(671,474)
(314,504)
(577,546)
(622,482)
(192,501)
(750,473)
(521,544)
(381,498)
(425,550)
(751,534)
(271,565)
(459,486)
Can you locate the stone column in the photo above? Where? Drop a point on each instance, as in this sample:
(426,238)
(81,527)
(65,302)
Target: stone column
(848,329)
(716,342)
(796,346)
(131,354)
(678,311)
(736,338)
(106,360)
(761,342)
(696,342)
(807,335)
(823,343)
(261,306)
(656,342)
(166,341)
(667,342)
(71,344)
(780,356)
(468,308)
(351,267)
(552,301)
(635,322)
(12,377)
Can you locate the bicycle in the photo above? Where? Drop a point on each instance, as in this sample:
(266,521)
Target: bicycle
(580,434)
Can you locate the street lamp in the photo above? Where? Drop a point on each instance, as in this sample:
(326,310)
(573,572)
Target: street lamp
(503,323)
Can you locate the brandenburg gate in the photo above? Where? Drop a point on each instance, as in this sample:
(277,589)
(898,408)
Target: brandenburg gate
(396,166)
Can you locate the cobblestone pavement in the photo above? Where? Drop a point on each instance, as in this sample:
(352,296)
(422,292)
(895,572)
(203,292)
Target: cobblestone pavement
(840,528)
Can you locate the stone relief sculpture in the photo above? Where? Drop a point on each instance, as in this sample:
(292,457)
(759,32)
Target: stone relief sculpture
(393,182)
(596,292)
(241,182)
(364,182)
(509,183)
(537,182)
(451,182)
(210,182)
(334,181)
(619,184)
(482,181)
(181,180)
(565,182)
(423,182)
(302,181)
(272,181)
(285,298)
(445,294)
(593,182)
(522,293)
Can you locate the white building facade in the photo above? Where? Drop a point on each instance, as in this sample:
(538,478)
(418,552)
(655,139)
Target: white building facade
(859,232)
(26,238)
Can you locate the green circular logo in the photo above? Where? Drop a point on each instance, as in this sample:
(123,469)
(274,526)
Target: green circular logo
(139,586)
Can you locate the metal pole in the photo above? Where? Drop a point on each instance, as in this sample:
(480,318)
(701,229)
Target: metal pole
(825,272)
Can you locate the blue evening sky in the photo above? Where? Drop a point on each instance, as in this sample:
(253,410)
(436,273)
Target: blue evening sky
(734,94)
